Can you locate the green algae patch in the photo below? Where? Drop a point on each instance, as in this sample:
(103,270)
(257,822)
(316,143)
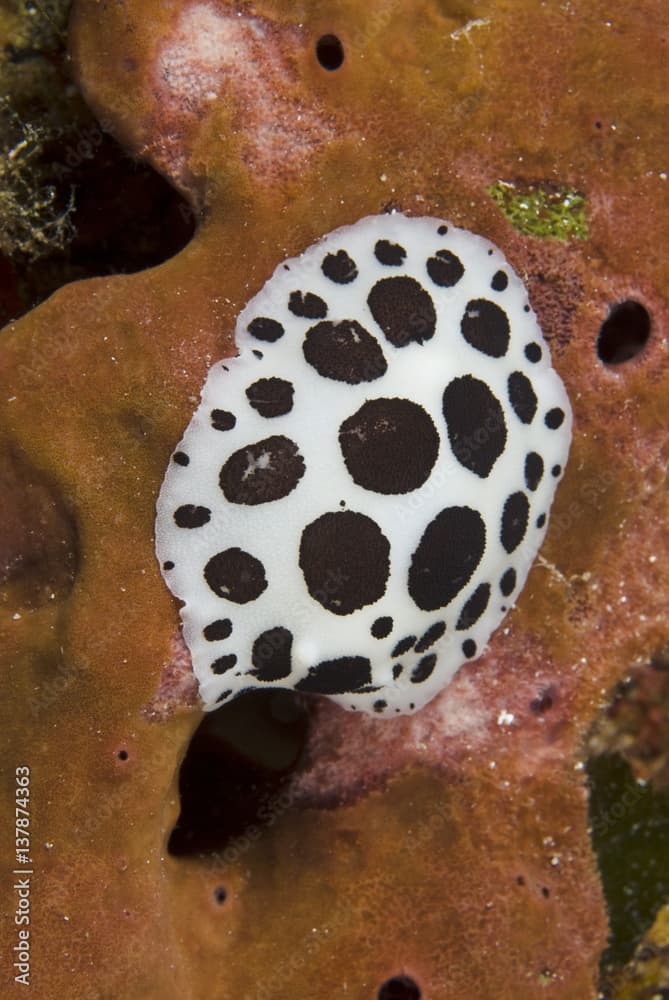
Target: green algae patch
(543,210)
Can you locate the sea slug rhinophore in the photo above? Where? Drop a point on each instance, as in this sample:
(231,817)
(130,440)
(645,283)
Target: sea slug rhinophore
(362,490)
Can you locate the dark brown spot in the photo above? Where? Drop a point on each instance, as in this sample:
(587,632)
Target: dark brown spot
(271,397)
(271,654)
(474,607)
(345,559)
(404,645)
(499,281)
(389,254)
(262,472)
(339,267)
(403,310)
(307,305)
(514,521)
(447,555)
(382,627)
(389,445)
(264,328)
(534,470)
(222,420)
(485,326)
(522,397)
(191,516)
(346,674)
(423,668)
(554,418)
(236,575)
(223,664)
(344,351)
(433,634)
(445,268)
(475,422)
(220,629)
(508,581)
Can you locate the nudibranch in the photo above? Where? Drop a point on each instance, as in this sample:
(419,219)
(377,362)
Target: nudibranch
(359,496)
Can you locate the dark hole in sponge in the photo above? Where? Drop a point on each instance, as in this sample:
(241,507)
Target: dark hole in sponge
(624,333)
(233,780)
(329,52)
(220,895)
(399,988)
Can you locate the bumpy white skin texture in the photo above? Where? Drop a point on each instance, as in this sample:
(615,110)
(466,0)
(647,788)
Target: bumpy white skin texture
(358,498)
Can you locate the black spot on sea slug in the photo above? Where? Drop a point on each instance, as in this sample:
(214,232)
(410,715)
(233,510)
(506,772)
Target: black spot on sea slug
(191,516)
(271,654)
(389,254)
(514,521)
(339,267)
(522,397)
(445,268)
(485,326)
(222,420)
(508,581)
(397,670)
(223,664)
(307,305)
(423,668)
(181,458)
(271,397)
(389,445)
(404,645)
(469,648)
(432,635)
(220,629)
(447,555)
(262,472)
(264,328)
(346,674)
(344,351)
(499,281)
(382,627)
(474,607)
(554,418)
(236,575)
(534,470)
(345,559)
(475,422)
(403,309)
(541,520)
(533,352)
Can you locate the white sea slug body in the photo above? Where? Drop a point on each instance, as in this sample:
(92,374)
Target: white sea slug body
(361,492)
